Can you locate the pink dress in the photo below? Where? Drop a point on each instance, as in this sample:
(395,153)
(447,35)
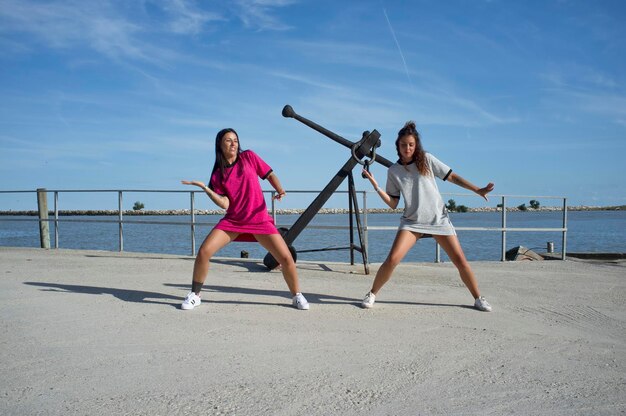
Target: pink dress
(247,213)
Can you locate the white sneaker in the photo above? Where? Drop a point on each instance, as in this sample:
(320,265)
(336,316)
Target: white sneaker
(482,305)
(299,301)
(369,300)
(191,301)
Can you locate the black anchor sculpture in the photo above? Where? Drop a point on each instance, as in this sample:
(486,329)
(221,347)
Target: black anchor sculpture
(366,147)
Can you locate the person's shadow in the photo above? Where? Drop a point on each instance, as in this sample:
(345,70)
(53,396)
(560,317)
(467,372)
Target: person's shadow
(141,296)
(126,295)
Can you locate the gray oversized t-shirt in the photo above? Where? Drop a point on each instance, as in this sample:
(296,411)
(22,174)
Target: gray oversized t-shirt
(424,210)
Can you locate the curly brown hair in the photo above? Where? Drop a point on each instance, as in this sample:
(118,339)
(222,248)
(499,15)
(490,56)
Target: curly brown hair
(419,156)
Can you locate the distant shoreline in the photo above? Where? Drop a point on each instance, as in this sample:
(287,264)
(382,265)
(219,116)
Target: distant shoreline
(297,211)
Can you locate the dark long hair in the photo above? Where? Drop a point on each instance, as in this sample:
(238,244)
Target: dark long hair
(419,156)
(220,161)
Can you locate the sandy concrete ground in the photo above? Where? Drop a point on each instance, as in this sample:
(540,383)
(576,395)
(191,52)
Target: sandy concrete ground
(95,333)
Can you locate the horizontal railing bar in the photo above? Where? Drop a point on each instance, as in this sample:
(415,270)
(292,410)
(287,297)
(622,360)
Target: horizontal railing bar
(265,191)
(502,195)
(106,221)
(317,227)
(387,228)
(157,190)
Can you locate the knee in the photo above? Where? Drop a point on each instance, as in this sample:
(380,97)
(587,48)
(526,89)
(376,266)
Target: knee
(461,263)
(392,261)
(204,254)
(286,261)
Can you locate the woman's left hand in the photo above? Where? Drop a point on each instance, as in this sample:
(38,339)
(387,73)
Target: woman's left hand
(279,195)
(484,191)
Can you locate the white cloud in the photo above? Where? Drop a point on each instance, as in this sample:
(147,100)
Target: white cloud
(118,33)
(69,24)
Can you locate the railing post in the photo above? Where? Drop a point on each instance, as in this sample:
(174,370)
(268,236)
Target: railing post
(564,240)
(273,207)
(350,222)
(437,253)
(56,219)
(365,241)
(120,220)
(44,225)
(503,253)
(193,224)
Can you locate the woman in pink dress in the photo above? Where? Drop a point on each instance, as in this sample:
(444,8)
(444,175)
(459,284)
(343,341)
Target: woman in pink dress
(234,186)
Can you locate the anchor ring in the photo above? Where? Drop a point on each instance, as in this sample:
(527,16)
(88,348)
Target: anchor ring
(361,161)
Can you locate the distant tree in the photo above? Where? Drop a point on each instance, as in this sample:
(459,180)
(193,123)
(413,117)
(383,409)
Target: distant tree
(461,208)
(451,205)
(522,207)
(534,204)
(138,206)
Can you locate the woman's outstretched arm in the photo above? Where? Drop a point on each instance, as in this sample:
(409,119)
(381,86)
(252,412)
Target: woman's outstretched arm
(464,183)
(219,200)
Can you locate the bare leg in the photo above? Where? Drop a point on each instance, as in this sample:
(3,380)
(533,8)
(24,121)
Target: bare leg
(452,247)
(401,245)
(216,240)
(277,247)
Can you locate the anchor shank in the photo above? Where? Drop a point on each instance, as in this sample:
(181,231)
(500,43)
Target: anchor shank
(324,131)
(288,111)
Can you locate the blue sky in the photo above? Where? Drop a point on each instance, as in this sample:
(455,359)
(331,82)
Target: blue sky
(130,94)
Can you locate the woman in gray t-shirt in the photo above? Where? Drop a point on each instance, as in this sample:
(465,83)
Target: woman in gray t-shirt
(413,177)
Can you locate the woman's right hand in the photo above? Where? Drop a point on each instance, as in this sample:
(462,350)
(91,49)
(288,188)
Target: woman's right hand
(370,177)
(196,183)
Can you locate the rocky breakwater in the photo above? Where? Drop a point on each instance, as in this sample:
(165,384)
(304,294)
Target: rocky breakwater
(298,211)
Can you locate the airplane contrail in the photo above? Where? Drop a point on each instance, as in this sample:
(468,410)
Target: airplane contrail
(406,68)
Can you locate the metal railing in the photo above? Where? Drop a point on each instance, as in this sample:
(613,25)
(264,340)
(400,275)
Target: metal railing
(121,220)
(503,229)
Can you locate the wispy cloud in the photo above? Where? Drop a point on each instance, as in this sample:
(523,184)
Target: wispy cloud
(259,13)
(578,77)
(306,80)
(586,90)
(187,18)
(70,24)
(358,55)
(436,102)
(120,34)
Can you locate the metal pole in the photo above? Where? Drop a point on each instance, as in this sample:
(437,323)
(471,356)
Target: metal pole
(503,253)
(119,218)
(56,219)
(193,224)
(437,253)
(365,242)
(273,206)
(44,225)
(350,211)
(564,241)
